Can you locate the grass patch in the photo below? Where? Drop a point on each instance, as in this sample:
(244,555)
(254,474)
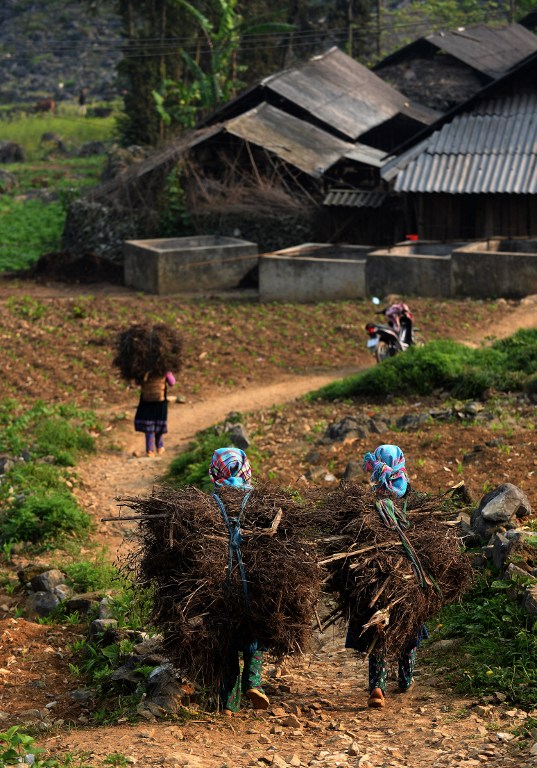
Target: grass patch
(58,431)
(29,226)
(36,505)
(90,575)
(507,365)
(27,230)
(48,518)
(499,648)
(192,466)
(72,128)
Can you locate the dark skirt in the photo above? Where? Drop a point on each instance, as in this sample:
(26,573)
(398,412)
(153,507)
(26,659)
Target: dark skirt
(362,643)
(151,417)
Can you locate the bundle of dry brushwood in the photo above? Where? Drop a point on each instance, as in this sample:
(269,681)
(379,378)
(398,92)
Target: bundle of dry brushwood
(143,350)
(369,571)
(203,610)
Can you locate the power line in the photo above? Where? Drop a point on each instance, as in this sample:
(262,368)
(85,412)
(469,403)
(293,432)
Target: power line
(137,47)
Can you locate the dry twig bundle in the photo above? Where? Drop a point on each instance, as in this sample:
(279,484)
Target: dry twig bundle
(203,614)
(371,576)
(148,349)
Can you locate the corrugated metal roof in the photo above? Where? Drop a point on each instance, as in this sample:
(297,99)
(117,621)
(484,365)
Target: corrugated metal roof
(490,150)
(355,198)
(491,51)
(343,94)
(308,148)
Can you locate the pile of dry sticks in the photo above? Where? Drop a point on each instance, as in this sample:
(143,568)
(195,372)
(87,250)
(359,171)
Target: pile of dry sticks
(294,548)
(202,610)
(143,350)
(377,588)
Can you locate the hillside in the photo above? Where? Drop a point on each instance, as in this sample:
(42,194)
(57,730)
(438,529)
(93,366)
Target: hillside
(43,45)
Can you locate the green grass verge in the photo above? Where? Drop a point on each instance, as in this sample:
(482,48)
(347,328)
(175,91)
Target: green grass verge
(507,365)
(499,648)
(36,504)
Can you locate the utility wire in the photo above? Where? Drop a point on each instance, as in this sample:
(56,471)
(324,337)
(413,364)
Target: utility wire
(137,47)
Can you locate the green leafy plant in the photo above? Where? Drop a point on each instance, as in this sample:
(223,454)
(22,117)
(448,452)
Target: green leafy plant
(91,575)
(26,307)
(215,80)
(499,643)
(48,518)
(16,745)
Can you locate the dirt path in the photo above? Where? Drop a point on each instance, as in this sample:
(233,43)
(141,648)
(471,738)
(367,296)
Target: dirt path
(123,474)
(318,715)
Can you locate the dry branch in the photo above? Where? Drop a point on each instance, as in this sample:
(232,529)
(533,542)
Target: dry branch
(378,593)
(202,613)
(148,350)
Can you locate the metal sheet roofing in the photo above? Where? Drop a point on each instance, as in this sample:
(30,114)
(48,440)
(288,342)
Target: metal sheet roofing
(491,51)
(355,198)
(305,146)
(338,91)
(492,149)
(361,153)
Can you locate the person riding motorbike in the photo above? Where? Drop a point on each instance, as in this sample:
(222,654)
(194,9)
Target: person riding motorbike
(401,319)
(394,336)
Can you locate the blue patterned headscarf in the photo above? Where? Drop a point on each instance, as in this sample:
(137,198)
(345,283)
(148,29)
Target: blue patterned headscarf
(229,466)
(387,467)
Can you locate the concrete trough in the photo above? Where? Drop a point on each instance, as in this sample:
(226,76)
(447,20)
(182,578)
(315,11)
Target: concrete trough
(313,272)
(495,268)
(188,264)
(421,268)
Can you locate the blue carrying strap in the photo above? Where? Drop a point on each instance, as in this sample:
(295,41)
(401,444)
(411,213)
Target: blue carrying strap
(233,525)
(397,521)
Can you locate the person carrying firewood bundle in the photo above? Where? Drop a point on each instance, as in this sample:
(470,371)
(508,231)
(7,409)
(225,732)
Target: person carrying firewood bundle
(147,355)
(230,468)
(151,415)
(389,480)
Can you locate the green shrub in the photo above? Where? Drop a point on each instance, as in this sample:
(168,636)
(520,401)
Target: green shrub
(91,576)
(48,517)
(499,648)
(35,503)
(508,365)
(59,438)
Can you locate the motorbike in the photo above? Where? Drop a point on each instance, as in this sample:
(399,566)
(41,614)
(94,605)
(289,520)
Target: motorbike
(394,336)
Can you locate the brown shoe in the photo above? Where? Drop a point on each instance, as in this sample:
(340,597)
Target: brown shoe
(160,451)
(228,713)
(259,699)
(376,699)
(150,454)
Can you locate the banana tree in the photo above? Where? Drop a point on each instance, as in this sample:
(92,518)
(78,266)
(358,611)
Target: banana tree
(213,74)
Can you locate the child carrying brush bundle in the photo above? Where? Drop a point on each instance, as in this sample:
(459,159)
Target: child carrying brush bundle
(147,355)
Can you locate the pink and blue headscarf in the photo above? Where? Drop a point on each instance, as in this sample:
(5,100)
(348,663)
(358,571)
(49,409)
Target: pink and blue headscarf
(387,467)
(230,466)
